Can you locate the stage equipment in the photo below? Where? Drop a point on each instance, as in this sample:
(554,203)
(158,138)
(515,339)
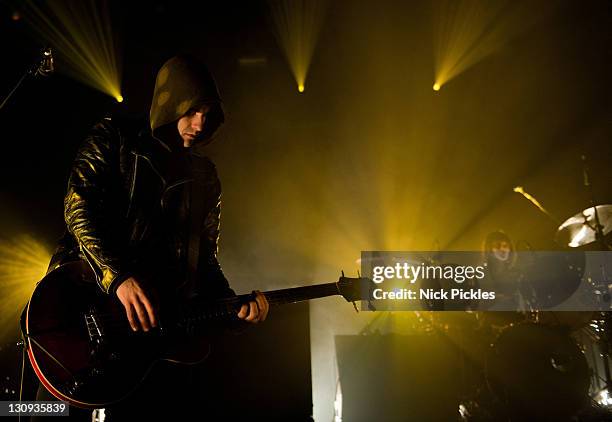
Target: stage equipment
(569,320)
(586,227)
(537,373)
(468,31)
(297,26)
(530,198)
(82,35)
(399,378)
(43,67)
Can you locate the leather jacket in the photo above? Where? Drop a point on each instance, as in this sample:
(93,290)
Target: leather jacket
(118,190)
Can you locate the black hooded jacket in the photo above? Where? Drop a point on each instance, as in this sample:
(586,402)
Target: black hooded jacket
(138,203)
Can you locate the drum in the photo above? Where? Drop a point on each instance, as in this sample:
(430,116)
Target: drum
(568,320)
(454,321)
(537,372)
(550,278)
(499,320)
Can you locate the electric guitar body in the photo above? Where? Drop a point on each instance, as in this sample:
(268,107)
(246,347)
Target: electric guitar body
(82,348)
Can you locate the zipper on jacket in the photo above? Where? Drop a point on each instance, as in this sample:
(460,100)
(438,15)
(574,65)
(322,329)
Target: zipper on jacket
(180,182)
(153,167)
(133,185)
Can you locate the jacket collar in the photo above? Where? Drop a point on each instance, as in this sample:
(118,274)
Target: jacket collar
(158,154)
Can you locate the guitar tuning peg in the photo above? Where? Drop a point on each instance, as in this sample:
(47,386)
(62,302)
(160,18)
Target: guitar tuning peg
(355,306)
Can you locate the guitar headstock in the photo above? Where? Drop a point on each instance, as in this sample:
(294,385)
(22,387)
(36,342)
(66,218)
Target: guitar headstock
(355,288)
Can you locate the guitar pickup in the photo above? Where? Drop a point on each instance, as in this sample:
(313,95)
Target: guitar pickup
(94,325)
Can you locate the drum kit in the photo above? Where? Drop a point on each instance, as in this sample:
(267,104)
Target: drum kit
(534,365)
(531,364)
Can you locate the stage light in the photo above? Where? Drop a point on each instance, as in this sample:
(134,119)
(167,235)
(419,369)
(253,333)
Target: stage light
(119,98)
(82,34)
(23,262)
(436,87)
(297,24)
(468,31)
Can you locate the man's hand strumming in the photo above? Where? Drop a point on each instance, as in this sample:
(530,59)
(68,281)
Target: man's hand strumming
(138,306)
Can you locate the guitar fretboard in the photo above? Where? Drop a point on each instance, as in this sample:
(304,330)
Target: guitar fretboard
(299,294)
(227,307)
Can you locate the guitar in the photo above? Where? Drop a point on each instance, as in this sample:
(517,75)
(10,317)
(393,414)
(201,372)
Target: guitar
(83,350)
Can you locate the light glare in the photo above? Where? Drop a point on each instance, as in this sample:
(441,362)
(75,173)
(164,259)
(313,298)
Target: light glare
(297,26)
(468,31)
(82,34)
(23,262)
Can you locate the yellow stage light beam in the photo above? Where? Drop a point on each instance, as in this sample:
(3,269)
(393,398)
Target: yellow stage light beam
(297,26)
(467,31)
(23,262)
(81,33)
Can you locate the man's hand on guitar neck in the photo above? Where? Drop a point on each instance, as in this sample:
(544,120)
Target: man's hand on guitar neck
(138,307)
(256,310)
(141,311)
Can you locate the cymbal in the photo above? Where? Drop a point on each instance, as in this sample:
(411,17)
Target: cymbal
(579,230)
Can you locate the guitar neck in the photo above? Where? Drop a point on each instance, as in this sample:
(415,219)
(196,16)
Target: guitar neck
(227,307)
(297,294)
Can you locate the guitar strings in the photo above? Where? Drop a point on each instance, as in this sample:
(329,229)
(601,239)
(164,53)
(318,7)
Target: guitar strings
(225,308)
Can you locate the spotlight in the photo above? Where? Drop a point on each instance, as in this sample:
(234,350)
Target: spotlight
(82,33)
(297,25)
(23,262)
(436,87)
(467,32)
(119,98)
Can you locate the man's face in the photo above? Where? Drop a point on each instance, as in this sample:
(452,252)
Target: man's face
(191,125)
(501,249)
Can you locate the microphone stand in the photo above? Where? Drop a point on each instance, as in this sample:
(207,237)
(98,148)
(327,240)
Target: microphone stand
(43,67)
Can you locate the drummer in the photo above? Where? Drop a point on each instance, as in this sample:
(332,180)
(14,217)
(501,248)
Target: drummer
(499,256)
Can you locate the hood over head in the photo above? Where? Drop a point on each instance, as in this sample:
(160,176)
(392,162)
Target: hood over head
(184,83)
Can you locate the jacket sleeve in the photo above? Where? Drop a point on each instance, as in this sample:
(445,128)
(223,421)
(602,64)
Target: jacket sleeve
(91,205)
(212,280)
